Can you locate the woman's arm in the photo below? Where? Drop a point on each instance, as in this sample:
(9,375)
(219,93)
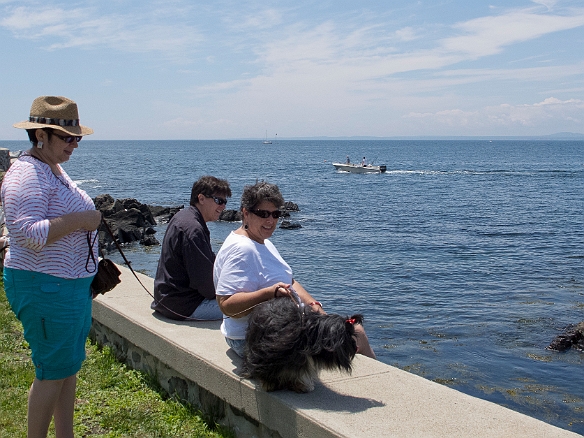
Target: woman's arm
(26,203)
(60,226)
(242,303)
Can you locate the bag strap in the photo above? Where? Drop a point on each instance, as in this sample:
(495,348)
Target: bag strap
(90,256)
(129,265)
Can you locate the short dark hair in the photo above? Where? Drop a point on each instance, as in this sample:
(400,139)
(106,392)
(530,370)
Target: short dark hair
(32,134)
(208,186)
(262,191)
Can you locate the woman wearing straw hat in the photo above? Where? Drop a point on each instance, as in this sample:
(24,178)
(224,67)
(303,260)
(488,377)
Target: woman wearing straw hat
(51,260)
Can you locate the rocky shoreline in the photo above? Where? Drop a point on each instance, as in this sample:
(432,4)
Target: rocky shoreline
(131,221)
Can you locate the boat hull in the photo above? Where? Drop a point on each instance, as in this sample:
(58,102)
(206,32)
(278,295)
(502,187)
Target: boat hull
(354,168)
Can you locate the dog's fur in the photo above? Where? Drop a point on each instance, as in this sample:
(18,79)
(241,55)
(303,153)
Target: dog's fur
(287,345)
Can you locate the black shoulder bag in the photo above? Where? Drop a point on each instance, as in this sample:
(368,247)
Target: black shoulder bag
(108,274)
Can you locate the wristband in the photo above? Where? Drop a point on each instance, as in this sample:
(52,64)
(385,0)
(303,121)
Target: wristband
(315,302)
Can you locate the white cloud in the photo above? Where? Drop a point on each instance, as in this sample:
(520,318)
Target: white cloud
(452,118)
(263,19)
(549,4)
(330,60)
(558,102)
(549,111)
(489,35)
(127,33)
(407,34)
(539,74)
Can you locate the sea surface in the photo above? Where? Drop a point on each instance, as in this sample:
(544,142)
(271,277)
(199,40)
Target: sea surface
(466,257)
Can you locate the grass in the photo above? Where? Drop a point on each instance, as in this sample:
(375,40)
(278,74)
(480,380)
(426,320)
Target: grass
(112,399)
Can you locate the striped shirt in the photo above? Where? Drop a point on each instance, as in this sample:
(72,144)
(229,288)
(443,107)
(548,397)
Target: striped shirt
(33,195)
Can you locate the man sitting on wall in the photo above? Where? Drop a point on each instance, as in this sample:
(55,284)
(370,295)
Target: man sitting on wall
(183,287)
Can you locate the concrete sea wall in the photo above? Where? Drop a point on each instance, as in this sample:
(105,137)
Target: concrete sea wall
(192,360)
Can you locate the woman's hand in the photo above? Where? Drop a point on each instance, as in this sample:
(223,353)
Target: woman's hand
(90,219)
(282,290)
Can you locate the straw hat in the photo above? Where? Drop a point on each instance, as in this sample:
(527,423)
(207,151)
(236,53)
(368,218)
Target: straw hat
(55,112)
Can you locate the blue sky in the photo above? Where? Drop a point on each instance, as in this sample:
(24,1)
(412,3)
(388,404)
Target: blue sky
(181,69)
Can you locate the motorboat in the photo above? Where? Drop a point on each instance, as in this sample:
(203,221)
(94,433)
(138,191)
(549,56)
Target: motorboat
(358,168)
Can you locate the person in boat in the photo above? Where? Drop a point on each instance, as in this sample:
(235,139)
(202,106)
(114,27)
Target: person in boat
(363,162)
(51,260)
(249,269)
(348,160)
(183,287)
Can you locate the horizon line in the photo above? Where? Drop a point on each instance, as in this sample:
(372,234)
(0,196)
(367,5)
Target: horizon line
(556,136)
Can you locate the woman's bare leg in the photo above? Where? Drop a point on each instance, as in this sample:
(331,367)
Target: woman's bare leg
(64,409)
(42,399)
(363,346)
(47,398)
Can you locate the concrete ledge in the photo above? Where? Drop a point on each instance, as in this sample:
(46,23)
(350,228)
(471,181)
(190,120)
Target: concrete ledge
(192,360)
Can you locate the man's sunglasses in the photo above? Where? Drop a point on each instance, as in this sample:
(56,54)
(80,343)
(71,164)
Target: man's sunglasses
(69,138)
(218,200)
(264,214)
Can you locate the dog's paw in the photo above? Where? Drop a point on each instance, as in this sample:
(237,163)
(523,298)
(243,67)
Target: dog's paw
(305,384)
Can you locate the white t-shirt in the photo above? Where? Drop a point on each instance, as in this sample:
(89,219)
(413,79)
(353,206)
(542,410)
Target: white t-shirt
(243,265)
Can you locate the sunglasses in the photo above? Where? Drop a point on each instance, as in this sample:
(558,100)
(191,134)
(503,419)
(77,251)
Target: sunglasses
(264,214)
(218,200)
(69,138)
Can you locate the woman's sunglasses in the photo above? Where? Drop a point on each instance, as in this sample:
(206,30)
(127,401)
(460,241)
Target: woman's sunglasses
(264,214)
(69,138)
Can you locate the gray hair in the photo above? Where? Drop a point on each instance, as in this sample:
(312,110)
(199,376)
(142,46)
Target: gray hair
(262,191)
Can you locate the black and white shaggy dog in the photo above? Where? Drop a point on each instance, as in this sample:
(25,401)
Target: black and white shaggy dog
(287,345)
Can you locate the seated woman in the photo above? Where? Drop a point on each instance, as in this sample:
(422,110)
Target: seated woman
(249,269)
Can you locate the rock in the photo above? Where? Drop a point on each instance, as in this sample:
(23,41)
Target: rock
(157,210)
(230,215)
(149,240)
(148,217)
(561,343)
(573,336)
(288,225)
(107,205)
(132,218)
(164,214)
(129,220)
(126,225)
(291,206)
(4,159)
(130,203)
(149,231)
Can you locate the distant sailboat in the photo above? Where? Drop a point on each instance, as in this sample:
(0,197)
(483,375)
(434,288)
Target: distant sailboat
(266,141)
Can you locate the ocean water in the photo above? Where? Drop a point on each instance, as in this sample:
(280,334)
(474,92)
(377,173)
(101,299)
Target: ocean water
(466,257)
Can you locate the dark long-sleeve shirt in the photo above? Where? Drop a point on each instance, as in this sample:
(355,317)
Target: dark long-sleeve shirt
(184,277)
